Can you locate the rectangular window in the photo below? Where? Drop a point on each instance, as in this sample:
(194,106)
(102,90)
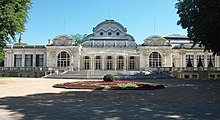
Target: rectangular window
(211,60)
(194,76)
(98,62)
(200,60)
(189,60)
(17,60)
(86,63)
(120,64)
(109,64)
(28,60)
(39,60)
(186,76)
(211,76)
(131,63)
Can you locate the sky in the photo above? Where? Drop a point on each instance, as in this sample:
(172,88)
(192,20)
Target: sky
(142,18)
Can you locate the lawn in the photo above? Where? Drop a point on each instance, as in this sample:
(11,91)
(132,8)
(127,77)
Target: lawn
(114,85)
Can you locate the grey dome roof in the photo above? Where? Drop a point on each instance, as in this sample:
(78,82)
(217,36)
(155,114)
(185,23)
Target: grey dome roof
(110,44)
(109,33)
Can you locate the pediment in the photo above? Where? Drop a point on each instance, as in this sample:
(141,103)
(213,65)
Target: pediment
(63,40)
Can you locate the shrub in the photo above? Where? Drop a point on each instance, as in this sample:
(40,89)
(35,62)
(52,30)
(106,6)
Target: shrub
(109,78)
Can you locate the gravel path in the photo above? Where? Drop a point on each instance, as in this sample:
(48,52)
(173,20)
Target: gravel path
(35,99)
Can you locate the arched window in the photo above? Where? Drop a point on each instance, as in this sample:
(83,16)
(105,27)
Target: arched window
(120,65)
(109,62)
(211,60)
(155,60)
(131,62)
(86,63)
(189,60)
(63,59)
(98,62)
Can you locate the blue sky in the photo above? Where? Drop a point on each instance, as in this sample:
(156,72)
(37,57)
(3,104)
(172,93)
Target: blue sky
(142,18)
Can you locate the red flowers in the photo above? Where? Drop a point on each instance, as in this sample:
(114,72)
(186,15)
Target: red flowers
(115,85)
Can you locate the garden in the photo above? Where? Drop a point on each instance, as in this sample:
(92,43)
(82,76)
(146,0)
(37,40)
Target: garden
(109,83)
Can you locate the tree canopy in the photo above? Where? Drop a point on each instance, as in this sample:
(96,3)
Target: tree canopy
(201,18)
(79,38)
(13,16)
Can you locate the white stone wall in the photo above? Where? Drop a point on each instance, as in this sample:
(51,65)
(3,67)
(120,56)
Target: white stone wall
(10,52)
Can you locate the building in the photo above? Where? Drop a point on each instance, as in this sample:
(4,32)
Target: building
(110,48)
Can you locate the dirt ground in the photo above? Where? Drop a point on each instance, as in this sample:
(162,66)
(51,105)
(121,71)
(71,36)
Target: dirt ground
(182,99)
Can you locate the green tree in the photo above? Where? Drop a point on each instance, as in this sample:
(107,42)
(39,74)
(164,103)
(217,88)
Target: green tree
(13,16)
(201,18)
(79,38)
(23,44)
(1,53)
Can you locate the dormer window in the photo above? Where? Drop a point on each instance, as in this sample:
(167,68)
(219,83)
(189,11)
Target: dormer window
(101,33)
(117,33)
(109,33)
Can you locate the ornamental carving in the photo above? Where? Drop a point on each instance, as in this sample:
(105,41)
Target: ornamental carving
(155,40)
(53,54)
(63,40)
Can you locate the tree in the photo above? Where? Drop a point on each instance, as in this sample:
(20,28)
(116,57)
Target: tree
(79,38)
(1,53)
(13,16)
(201,18)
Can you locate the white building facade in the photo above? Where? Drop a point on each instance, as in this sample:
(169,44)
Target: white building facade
(111,48)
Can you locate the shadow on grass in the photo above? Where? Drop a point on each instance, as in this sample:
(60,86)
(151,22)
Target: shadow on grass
(197,101)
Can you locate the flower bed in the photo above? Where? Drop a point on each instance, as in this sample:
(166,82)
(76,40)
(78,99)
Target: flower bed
(115,85)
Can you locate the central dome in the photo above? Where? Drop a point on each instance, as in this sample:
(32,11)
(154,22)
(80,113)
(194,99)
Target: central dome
(109,33)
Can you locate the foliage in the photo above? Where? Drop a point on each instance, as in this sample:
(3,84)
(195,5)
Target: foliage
(109,78)
(13,16)
(20,44)
(201,18)
(1,55)
(125,85)
(79,38)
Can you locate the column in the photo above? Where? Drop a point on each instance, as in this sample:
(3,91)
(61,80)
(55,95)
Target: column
(45,59)
(103,63)
(205,61)
(34,59)
(23,59)
(125,63)
(11,60)
(91,62)
(195,60)
(183,59)
(216,59)
(115,62)
(80,61)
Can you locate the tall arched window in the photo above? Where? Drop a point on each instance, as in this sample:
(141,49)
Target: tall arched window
(120,65)
(109,63)
(98,62)
(131,63)
(86,63)
(63,59)
(155,60)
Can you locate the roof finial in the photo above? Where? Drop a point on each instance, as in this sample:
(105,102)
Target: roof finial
(20,40)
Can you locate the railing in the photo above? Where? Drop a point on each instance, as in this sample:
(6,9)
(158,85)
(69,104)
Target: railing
(196,69)
(24,69)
